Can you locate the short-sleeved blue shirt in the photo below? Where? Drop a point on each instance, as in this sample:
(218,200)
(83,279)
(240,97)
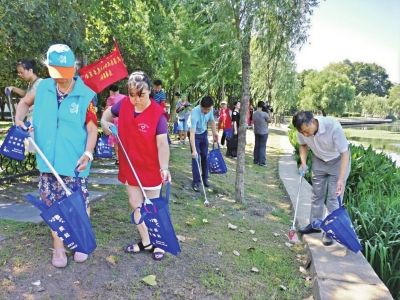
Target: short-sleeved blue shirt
(199,120)
(159,96)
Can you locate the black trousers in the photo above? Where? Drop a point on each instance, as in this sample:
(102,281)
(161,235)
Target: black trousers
(223,138)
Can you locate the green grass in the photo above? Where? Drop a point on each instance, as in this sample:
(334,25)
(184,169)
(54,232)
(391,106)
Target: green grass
(5,125)
(372,134)
(206,267)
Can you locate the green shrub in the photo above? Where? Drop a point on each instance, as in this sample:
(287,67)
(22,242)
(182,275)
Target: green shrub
(392,117)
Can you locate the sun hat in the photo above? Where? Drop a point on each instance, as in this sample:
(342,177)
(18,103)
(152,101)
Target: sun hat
(223,102)
(60,61)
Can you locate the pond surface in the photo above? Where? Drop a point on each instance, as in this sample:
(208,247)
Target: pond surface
(391,147)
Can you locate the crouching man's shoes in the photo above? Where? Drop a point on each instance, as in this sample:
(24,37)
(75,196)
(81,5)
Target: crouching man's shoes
(326,240)
(308,229)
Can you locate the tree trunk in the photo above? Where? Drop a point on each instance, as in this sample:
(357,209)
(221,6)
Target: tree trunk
(241,151)
(223,91)
(323,112)
(172,103)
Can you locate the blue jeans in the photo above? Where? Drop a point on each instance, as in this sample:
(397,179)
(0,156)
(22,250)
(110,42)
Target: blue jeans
(260,148)
(201,142)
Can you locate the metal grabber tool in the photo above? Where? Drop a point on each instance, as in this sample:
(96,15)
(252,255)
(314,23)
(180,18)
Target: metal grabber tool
(206,203)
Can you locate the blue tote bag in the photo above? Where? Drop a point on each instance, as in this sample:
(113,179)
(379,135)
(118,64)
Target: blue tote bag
(157,218)
(216,163)
(13,146)
(338,226)
(68,218)
(103,149)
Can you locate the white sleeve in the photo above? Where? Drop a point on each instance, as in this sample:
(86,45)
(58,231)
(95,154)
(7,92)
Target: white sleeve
(300,139)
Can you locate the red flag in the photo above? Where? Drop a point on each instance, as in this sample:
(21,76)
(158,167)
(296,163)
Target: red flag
(105,71)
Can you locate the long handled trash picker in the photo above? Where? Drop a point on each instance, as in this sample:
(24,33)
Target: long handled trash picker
(292,235)
(206,203)
(8,92)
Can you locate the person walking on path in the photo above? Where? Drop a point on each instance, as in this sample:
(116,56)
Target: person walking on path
(330,162)
(199,117)
(261,120)
(115,97)
(183,115)
(65,124)
(143,133)
(233,141)
(225,121)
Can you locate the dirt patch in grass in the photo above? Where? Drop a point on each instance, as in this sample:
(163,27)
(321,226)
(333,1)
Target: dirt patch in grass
(206,268)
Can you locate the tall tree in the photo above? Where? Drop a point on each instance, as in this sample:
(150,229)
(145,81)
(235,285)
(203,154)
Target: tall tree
(327,92)
(233,24)
(394,99)
(29,27)
(280,27)
(286,87)
(366,78)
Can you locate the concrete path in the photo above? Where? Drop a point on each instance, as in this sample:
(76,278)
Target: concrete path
(103,171)
(336,273)
(105,181)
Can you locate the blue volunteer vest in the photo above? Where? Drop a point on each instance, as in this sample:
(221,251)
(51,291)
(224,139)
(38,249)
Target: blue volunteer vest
(61,132)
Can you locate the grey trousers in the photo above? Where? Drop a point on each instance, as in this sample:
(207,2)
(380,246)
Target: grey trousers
(325,175)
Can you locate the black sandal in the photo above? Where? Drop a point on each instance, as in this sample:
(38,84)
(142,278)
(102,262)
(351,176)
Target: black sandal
(131,248)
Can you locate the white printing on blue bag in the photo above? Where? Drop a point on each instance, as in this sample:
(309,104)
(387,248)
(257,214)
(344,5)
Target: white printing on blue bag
(17,142)
(60,231)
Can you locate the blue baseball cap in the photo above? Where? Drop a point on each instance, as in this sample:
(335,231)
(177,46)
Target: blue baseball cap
(61,61)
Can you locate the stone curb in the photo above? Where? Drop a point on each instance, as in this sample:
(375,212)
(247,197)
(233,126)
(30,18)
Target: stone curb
(336,273)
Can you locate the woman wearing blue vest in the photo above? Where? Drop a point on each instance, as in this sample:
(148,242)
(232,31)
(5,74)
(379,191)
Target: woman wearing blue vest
(65,127)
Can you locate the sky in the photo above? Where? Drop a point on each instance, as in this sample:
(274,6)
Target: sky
(365,31)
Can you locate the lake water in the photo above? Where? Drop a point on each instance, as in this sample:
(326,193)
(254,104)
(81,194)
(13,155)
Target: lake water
(390,147)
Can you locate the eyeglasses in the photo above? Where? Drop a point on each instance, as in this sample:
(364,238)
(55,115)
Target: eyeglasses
(20,73)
